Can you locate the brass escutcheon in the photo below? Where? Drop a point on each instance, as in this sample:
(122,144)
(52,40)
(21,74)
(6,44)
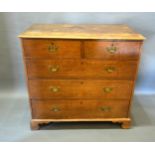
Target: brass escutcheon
(107,89)
(55,109)
(54,89)
(110,69)
(112,48)
(53,68)
(52,48)
(105,108)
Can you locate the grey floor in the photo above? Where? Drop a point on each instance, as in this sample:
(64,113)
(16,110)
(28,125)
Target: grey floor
(15,116)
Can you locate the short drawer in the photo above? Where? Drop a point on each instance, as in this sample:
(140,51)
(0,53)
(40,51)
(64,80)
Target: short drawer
(68,109)
(42,89)
(49,48)
(116,50)
(81,69)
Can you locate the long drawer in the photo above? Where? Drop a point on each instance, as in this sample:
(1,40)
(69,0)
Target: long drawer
(69,109)
(42,89)
(81,69)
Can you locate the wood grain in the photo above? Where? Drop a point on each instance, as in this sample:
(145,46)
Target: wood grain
(77,109)
(39,48)
(81,69)
(68,31)
(41,89)
(124,50)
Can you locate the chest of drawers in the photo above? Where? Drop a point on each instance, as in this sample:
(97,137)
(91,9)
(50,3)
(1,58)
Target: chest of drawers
(80,72)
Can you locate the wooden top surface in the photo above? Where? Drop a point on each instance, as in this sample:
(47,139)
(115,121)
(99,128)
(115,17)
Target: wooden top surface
(66,31)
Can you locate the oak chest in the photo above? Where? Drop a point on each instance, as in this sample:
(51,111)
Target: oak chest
(81,72)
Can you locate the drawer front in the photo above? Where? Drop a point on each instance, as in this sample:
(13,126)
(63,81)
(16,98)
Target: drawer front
(42,89)
(112,50)
(81,69)
(48,48)
(68,109)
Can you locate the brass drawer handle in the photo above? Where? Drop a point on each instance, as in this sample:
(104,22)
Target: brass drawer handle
(112,49)
(110,69)
(108,89)
(53,68)
(55,109)
(52,48)
(54,89)
(105,108)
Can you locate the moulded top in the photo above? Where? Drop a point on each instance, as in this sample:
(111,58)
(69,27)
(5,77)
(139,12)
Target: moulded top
(87,31)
